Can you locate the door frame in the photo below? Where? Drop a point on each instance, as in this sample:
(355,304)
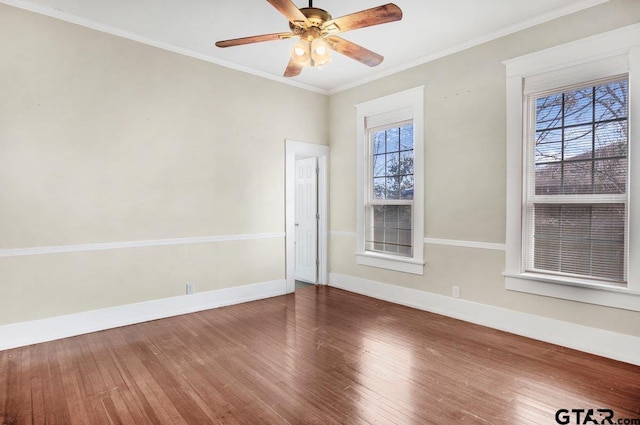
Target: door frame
(295,150)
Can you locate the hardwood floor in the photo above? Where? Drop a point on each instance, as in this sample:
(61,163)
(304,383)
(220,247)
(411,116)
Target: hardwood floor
(320,356)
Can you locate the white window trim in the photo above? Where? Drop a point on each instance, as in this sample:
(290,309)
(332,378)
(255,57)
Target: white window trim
(606,54)
(412,102)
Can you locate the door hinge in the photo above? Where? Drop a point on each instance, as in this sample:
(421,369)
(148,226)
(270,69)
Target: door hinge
(317,216)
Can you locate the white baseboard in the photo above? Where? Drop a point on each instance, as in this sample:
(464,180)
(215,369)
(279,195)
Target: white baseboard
(604,343)
(36,331)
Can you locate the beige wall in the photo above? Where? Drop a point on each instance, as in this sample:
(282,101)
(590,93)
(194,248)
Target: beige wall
(107,140)
(465,177)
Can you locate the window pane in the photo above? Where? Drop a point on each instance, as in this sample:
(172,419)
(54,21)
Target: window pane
(379,165)
(393,140)
(548,146)
(578,106)
(406,163)
(584,240)
(393,162)
(406,187)
(548,179)
(549,112)
(391,230)
(611,139)
(393,188)
(610,176)
(378,143)
(578,142)
(612,100)
(379,188)
(577,178)
(406,137)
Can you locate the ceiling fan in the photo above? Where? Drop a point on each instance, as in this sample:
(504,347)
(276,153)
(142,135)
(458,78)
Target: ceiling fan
(317,31)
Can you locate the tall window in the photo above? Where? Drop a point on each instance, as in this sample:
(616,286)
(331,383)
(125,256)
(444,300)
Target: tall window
(390,207)
(576,200)
(573,164)
(390,189)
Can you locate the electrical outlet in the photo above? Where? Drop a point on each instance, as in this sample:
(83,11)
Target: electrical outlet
(455,291)
(190,288)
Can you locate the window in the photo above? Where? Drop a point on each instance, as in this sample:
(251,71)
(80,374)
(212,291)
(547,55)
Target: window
(390,173)
(570,154)
(390,205)
(576,197)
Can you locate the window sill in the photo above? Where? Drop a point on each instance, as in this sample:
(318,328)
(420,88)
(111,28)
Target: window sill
(574,290)
(390,262)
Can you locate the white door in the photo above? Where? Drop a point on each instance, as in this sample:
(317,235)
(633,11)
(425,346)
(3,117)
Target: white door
(306,220)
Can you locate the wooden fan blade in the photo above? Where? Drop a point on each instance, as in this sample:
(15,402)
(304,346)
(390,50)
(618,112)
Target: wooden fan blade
(293,69)
(291,12)
(365,18)
(254,39)
(354,51)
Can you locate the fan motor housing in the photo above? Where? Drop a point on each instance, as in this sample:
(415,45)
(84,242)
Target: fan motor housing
(315,16)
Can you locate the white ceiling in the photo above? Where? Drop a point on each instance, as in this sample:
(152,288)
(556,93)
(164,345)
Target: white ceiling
(428,29)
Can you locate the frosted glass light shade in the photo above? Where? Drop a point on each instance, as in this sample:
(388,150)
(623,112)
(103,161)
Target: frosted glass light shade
(301,52)
(320,52)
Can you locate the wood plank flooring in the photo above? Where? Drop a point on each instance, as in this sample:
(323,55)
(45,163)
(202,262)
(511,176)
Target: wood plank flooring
(320,356)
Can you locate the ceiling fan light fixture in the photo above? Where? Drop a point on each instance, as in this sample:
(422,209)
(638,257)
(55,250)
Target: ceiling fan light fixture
(320,52)
(301,52)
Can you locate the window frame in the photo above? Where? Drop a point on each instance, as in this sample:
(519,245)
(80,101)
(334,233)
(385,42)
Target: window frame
(590,59)
(397,108)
